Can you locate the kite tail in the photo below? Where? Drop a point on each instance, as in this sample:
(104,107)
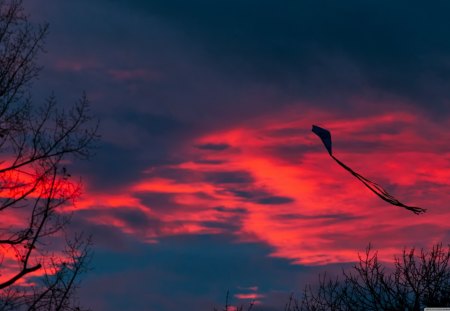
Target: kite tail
(380,191)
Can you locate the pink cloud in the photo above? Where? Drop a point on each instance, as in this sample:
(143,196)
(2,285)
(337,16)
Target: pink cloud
(303,205)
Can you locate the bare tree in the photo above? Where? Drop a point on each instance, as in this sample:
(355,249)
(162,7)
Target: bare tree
(415,281)
(39,266)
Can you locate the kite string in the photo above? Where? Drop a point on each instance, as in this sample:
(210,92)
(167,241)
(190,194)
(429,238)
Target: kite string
(378,190)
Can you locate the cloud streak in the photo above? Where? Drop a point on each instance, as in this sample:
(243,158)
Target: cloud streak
(304,207)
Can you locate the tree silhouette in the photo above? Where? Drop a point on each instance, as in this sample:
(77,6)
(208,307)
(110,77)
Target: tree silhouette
(39,264)
(415,281)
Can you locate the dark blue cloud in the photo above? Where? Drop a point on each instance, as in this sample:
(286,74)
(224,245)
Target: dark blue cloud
(114,166)
(244,194)
(260,196)
(321,48)
(162,202)
(231,210)
(237,177)
(152,124)
(211,54)
(136,221)
(213,147)
(188,273)
(275,200)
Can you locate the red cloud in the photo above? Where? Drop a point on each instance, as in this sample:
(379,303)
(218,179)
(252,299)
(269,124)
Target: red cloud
(292,196)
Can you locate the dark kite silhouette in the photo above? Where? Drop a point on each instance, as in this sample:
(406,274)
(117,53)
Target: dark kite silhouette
(325,136)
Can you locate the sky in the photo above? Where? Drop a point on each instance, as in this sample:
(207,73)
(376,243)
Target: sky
(208,178)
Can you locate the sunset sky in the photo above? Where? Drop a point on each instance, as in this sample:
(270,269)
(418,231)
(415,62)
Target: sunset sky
(208,178)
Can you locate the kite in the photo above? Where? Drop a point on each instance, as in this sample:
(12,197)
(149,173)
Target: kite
(325,136)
